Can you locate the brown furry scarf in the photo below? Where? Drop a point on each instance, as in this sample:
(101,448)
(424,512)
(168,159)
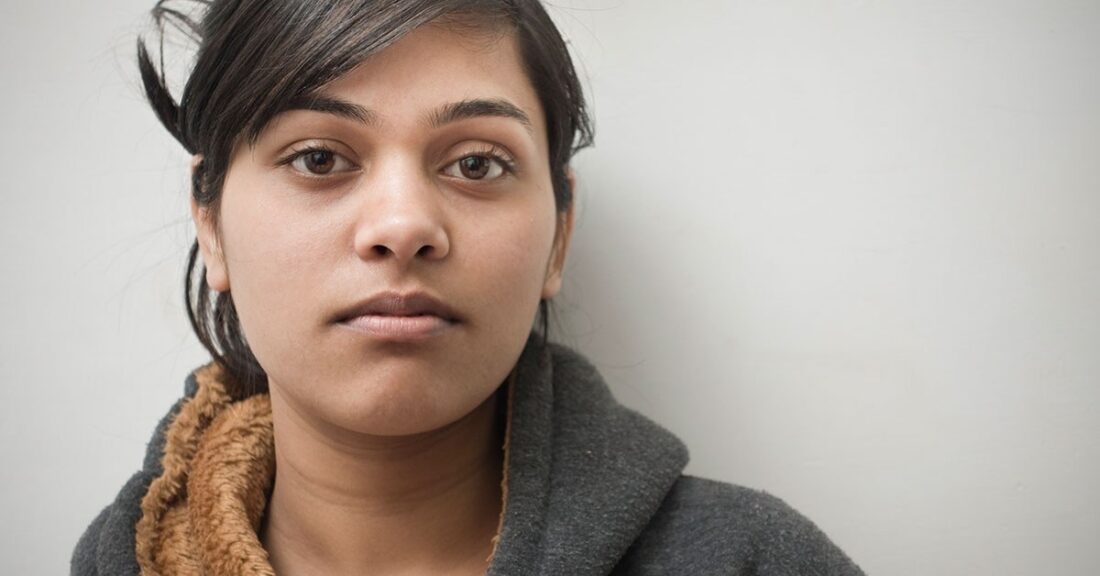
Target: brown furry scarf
(201,517)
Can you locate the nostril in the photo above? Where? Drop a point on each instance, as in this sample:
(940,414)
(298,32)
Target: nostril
(424,251)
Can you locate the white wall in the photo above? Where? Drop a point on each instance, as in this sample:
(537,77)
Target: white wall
(848,250)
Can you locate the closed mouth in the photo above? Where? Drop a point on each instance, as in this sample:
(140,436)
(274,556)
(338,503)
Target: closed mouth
(397,305)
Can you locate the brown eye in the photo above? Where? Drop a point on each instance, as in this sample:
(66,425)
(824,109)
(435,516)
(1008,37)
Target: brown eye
(476,167)
(320,162)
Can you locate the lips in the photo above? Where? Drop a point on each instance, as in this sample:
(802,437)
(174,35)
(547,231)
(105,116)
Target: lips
(394,304)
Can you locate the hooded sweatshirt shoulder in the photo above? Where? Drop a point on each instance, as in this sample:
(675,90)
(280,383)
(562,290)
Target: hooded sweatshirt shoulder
(591,488)
(604,493)
(709,527)
(107,547)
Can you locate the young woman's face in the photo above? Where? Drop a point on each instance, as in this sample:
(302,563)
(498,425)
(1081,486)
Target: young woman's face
(424,172)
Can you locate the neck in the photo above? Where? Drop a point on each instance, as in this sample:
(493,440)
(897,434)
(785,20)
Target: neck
(428,503)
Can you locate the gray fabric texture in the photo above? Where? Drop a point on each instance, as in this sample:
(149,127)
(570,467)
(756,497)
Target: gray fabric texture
(593,489)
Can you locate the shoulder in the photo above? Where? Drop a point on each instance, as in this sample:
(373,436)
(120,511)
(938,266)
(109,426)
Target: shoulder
(709,527)
(107,545)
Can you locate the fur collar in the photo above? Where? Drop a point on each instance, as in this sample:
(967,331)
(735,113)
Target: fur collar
(202,515)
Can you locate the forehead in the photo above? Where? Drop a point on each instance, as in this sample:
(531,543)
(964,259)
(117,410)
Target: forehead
(437,65)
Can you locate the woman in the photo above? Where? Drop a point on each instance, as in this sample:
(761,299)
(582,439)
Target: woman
(383,202)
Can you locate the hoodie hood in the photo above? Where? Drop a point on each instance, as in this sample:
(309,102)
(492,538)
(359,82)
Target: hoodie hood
(583,474)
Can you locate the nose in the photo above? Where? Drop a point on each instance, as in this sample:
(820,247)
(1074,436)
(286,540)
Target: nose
(401,219)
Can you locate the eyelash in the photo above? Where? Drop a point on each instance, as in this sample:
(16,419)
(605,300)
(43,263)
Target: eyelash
(495,153)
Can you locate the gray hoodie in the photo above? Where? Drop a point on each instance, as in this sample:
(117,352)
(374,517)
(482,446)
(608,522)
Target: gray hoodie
(593,489)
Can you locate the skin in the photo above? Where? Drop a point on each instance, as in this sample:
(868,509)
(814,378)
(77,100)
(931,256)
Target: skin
(388,454)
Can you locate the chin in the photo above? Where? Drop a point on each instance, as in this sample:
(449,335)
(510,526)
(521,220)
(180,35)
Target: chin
(397,406)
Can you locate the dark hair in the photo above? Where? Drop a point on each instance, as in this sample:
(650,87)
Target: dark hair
(256,57)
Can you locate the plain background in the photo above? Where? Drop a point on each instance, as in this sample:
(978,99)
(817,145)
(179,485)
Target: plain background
(848,250)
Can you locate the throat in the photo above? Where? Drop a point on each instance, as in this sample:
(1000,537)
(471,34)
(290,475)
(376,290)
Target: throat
(430,504)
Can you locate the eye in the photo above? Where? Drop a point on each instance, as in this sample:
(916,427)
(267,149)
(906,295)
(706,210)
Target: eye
(488,165)
(319,161)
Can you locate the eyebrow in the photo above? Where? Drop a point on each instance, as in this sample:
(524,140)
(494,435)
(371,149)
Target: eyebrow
(447,114)
(336,106)
(477,108)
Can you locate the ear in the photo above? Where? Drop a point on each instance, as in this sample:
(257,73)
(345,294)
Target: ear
(217,275)
(564,234)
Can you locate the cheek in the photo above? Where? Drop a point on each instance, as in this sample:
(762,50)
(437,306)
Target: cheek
(276,257)
(515,253)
